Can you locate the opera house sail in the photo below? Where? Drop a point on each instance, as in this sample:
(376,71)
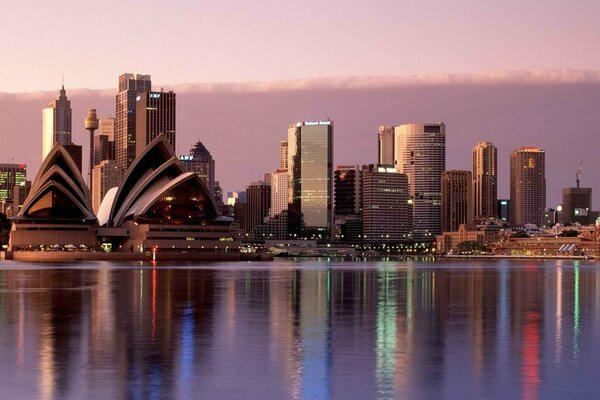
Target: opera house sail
(160,205)
(58,211)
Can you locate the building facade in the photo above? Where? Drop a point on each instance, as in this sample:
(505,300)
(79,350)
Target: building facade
(421,154)
(485,180)
(258,201)
(385,145)
(283,154)
(155,114)
(457,199)
(130,86)
(56,123)
(279,191)
(577,206)
(385,205)
(310,169)
(11,175)
(200,161)
(527,186)
(347,190)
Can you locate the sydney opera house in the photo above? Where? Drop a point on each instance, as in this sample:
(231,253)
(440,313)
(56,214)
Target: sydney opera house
(159,206)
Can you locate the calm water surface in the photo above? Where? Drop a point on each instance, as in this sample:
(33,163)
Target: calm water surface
(301,330)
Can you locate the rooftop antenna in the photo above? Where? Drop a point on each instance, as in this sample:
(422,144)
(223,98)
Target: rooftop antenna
(578,174)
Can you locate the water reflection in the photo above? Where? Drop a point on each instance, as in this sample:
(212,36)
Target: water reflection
(385,331)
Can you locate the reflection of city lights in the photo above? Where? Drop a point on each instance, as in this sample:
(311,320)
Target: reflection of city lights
(576,313)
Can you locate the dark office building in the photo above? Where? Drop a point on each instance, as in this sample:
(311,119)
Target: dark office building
(200,161)
(130,87)
(258,201)
(577,206)
(385,205)
(503,210)
(75,151)
(155,114)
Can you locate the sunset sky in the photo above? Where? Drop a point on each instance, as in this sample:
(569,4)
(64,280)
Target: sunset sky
(512,72)
(186,41)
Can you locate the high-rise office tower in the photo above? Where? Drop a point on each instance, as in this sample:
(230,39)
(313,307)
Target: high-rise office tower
(385,204)
(56,123)
(106,175)
(11,175)
(485,180)
(200,161)
(421,154)
(310,169)
(155,114)
(527,186)
(130,86)
(107,127)
(577,206)
(283,155)
(104,141)
(346,203)
(386,146)
(258,201)
(56,127)
(103,149)
(279,191)
(457,199)
(347,190)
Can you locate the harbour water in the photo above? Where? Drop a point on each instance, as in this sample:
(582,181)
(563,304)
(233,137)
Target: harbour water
(310,329)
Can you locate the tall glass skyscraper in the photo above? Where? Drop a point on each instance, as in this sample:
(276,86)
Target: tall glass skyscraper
(421,154)
(56,123)
(310,169)
(485,180)
(130,85)
(527,186)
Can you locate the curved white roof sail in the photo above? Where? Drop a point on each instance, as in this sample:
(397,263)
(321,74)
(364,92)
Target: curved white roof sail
(105,206)
(152,157)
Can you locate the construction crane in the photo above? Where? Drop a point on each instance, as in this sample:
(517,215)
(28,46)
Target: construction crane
(578,174)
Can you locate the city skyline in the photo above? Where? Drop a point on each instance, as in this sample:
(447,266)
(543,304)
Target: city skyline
(463,134)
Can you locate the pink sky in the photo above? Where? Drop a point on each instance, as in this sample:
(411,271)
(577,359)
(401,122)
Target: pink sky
(189,41)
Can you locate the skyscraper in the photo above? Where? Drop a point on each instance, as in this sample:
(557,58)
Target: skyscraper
(56,123)
(457,199)
(200,161)
(56,127)
(130,86)
(11,175)
(527,186)
(485,180)
(310,169)
(577,206)
(107,127)
(155,114)
(386,146)
(385,205)
(279,191)
(283,155)
(347,190)
(421,154)
(258,201)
